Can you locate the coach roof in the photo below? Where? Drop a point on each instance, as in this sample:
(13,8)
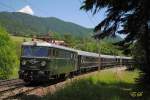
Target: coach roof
(84,53)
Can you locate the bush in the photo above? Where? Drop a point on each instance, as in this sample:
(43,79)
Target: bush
(8,57)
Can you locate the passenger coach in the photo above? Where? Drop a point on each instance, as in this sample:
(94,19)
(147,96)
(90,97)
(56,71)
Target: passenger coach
(88,61)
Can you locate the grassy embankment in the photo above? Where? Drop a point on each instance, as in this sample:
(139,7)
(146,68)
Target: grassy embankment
(106,85)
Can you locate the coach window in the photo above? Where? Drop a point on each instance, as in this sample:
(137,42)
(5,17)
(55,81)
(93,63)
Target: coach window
(53,52)
(103,59)
(65,54)
(75,56)
(82,59)
(72,56)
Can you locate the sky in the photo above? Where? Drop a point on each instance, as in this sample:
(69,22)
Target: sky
(67,10)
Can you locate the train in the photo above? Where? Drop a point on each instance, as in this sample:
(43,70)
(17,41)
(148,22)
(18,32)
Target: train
(42,61)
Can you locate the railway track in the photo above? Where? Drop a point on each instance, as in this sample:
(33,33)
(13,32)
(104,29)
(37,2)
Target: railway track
(6,80)
(18,92)
(7,87)
(9,82)
(10,89)
(16,89)
(20,89)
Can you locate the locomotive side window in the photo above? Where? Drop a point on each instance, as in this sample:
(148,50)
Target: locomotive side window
(50,53)
(66,54)
(59,53)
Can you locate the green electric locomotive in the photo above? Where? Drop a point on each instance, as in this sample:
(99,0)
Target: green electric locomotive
(42,61)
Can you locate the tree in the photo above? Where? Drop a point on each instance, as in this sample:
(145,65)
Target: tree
(134,18)
(8,57)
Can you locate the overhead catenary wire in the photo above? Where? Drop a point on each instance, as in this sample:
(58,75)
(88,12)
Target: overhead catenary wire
(89,17)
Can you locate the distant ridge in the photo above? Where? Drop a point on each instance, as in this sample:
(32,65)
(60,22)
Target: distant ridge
(23,24)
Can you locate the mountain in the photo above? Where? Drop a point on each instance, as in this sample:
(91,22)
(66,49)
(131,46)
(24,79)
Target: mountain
(23,24)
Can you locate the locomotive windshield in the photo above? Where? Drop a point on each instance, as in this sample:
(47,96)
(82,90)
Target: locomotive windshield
(34,51)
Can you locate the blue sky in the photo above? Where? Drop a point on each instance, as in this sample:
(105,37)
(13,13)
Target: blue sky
(68,10)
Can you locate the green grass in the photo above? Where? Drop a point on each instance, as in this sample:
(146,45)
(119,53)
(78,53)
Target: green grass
(106,85)
(19,38)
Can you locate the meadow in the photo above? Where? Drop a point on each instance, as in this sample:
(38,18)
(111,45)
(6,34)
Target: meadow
(19,38)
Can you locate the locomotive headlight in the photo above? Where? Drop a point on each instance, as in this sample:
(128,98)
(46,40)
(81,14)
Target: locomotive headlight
(24,62)
(43,63)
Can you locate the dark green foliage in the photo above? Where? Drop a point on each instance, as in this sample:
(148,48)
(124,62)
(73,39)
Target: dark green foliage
(86,43)
(134,18)
(26,25)
(8,58)
(115,39)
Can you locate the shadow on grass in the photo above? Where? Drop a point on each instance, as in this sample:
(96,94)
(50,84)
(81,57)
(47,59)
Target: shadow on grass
(87,90)
(29,97)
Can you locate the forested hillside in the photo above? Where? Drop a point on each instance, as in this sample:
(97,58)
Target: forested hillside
(23,24)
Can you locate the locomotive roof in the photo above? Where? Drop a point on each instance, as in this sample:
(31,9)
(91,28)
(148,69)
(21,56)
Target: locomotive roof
(107,56)
(91,54)
(42,43)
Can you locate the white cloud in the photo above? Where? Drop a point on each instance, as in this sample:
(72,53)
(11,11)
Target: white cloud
(27,9)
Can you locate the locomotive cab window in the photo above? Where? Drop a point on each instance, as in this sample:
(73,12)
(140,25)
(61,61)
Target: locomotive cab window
(35,51)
